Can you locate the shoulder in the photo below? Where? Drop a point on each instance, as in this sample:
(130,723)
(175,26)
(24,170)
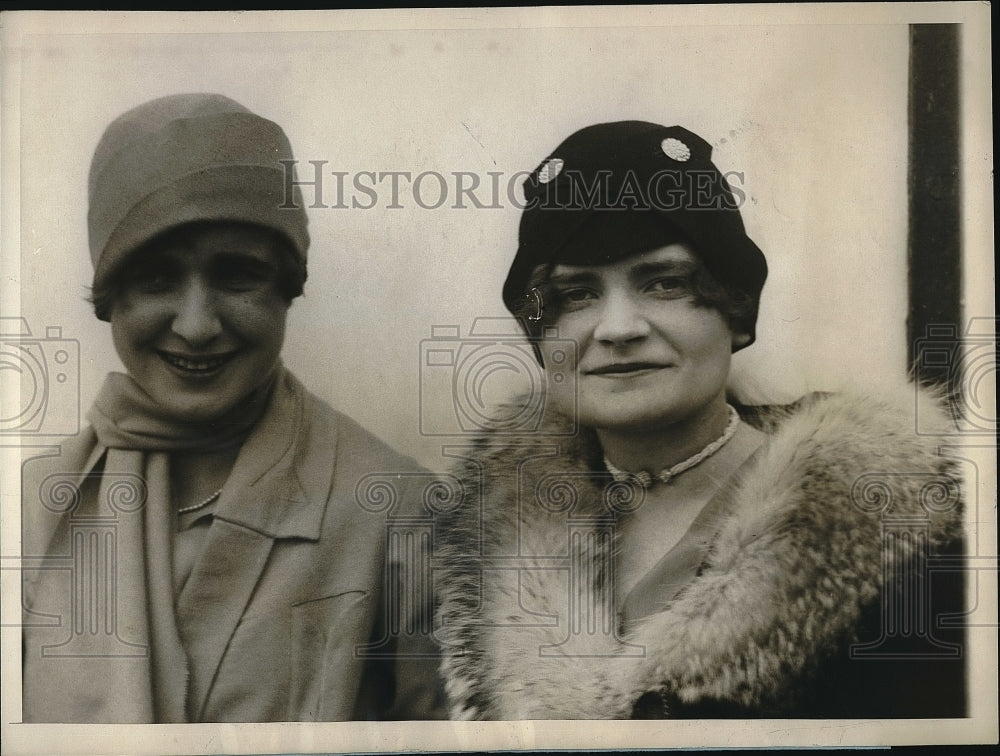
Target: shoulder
(69,455)
(902,411)
(67,461)
(502,441)
(867,447)
(888,429)
(50,482)
(362,468)
(802,553)
(335,431)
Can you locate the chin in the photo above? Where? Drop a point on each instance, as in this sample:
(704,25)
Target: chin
(636,415)
(623,419)
(197,409)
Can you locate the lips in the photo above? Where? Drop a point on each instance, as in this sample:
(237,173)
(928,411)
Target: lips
(627,368)
(196,365)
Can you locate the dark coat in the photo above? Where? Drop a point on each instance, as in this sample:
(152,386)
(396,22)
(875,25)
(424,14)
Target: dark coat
(794,611)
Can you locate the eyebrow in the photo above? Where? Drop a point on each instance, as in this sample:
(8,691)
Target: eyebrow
(241,258)
(573,277)
(637,271)
(674,267)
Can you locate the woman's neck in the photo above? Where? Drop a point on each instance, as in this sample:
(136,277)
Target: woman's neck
(195,476)
(653,449)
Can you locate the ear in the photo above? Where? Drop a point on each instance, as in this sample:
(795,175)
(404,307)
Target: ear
(740,340)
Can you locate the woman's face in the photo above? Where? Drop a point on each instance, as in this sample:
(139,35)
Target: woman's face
(646,354)
(199,320)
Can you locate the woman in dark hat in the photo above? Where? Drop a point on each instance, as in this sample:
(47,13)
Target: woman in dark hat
(203,553)
(653,550)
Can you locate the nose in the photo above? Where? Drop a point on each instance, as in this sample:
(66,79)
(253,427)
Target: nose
(196,318)
(621,320)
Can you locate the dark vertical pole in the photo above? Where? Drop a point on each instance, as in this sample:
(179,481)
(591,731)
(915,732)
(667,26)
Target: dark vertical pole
(935,324)
(935,265)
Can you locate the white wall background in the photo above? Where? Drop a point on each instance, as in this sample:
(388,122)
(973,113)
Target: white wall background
(813,115)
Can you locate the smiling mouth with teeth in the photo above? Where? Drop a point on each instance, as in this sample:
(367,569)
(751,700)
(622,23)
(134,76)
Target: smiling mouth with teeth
(205,365)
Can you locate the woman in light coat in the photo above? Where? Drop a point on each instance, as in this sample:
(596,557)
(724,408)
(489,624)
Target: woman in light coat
(203,550)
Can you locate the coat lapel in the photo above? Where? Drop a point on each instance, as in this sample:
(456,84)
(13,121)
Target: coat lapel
(214,599)
(265,500)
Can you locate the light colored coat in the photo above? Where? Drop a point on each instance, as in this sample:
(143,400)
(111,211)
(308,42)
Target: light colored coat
(290,586)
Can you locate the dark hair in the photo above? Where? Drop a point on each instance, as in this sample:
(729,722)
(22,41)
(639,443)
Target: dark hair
(535,311)
(291,276)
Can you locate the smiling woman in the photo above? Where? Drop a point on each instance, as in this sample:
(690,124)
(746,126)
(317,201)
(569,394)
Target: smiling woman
(648,357)
(200,318)
(675,555)
(221,587)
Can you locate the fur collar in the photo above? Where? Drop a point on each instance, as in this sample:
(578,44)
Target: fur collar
(796,560)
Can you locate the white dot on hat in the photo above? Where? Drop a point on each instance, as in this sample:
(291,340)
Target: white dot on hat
(549,170)
(675,149)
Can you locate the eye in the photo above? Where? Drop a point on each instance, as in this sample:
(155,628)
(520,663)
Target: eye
(669,287)
(573,298)
(152,279)
(243,275)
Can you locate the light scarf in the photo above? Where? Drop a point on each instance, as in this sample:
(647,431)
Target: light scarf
(143,672)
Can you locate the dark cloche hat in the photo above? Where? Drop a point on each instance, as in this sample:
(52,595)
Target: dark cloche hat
(613,190)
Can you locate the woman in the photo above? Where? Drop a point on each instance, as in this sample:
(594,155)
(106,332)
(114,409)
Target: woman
(651,551)
(204,554)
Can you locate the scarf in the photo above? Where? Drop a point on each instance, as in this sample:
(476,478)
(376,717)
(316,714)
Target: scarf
(143,666)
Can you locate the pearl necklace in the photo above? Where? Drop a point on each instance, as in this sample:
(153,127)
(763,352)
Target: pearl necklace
(646,479)
(205,503)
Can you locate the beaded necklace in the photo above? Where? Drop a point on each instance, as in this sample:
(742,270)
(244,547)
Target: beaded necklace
(205,503)
(646,479)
